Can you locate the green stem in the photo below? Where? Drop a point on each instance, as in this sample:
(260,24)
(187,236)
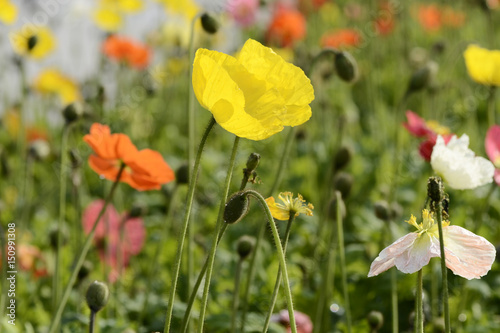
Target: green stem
(278,277)
(218,228)
(491,107)
(83,254)
(236,294)
(251,269)
(180,245)
(92,321)
(56,285)
(281,257)
(340,239)
(434,291)
(438,212)
(419,313)
(394,302)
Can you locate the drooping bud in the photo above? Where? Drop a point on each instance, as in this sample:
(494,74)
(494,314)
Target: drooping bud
(342,157)
(237,206)
(252,162)
(382,210)
(435,189)
(342,182)
(375,320)
(97,295)
(32,41)
(245,246)
(422,77)
(209,23)
(346,66)
(182,174)
(72,112)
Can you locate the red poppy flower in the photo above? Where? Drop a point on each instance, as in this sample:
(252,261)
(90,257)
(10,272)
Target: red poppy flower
(339,39)
(287,26)
(30,258)
(118,237)
(430,17)
(492,146)
(145,169)
(426,129)
(123,49)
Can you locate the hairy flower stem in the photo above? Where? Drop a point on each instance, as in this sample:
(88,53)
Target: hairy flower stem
(236,294)
(279,275)
(218,227)
(340,239)
(56,285)
(419,313)
(83,254)
(281,256)
(438,212)
(251,268)
(182,236)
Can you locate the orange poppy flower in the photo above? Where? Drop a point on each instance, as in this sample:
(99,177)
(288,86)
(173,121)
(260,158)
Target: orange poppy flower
(430,17)
(145,169)
(340,39)
(123,49)
(287,26)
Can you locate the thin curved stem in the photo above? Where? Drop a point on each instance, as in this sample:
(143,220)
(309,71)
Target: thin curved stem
(419,313)
(83,254)
(281,257)
(180,245)
(279,275)
(438,212)
(340,239)
(236,296)
(219,226)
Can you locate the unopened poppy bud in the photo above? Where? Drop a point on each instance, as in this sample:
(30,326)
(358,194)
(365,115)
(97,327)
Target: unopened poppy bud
(346,66)
(342,157)
(97,295)
(343,183)
(85,270)
(32,41)
(39,149)
(182,174)
(332,211)
(375,320)
(422,77)
(382,210)
(209,23)
(72,112)
(63,236)
(137,211)
(237,206)
(435,189)
(245,246)
(252,162)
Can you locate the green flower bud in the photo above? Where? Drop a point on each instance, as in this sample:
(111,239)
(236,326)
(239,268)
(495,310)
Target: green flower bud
(435,189)
(332,209)
(342,157)
(237,206)
(72,112)
(245,246)
(182,174)
(64,236)
(346,66)
(375,320)
(32,41)
(209,23)
(342,182)
(382,210)
(85,270)
(252,162)
(422,77)
(97,295)
(39,149)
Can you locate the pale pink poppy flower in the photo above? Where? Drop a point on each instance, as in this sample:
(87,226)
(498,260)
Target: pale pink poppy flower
(243,11)
(467,254)
(492,146)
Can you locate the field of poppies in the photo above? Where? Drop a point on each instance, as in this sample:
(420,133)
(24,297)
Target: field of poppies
(304,166)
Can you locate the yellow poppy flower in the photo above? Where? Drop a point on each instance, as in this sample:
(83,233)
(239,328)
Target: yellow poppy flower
(185,7)
(32,41)
(291,206)
(254,95)
(51,81)
(8,14)
(483,65)
(109,13)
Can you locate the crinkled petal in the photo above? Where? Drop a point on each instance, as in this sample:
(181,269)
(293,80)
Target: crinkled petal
(276,212)
(386,258)
(418,255)
(467,254)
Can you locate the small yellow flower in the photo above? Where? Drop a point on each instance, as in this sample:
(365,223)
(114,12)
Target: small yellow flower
(291,206)
(188,8)
(253,95)
(32,41)
(8,12)
(51,81)
(109,13)
(483,65)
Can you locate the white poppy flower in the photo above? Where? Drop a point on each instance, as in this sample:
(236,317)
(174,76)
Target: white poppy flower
(467,254)
(458,165)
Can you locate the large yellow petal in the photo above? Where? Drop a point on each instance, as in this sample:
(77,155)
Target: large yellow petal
(293,85)
(223,86)
(276,212)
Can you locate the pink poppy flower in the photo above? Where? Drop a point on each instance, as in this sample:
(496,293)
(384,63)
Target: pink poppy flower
(492,146)
(243,11)
(467,254)
(118,237)
(303,322)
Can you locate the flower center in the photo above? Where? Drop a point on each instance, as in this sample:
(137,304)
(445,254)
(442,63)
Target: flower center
(437,128)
